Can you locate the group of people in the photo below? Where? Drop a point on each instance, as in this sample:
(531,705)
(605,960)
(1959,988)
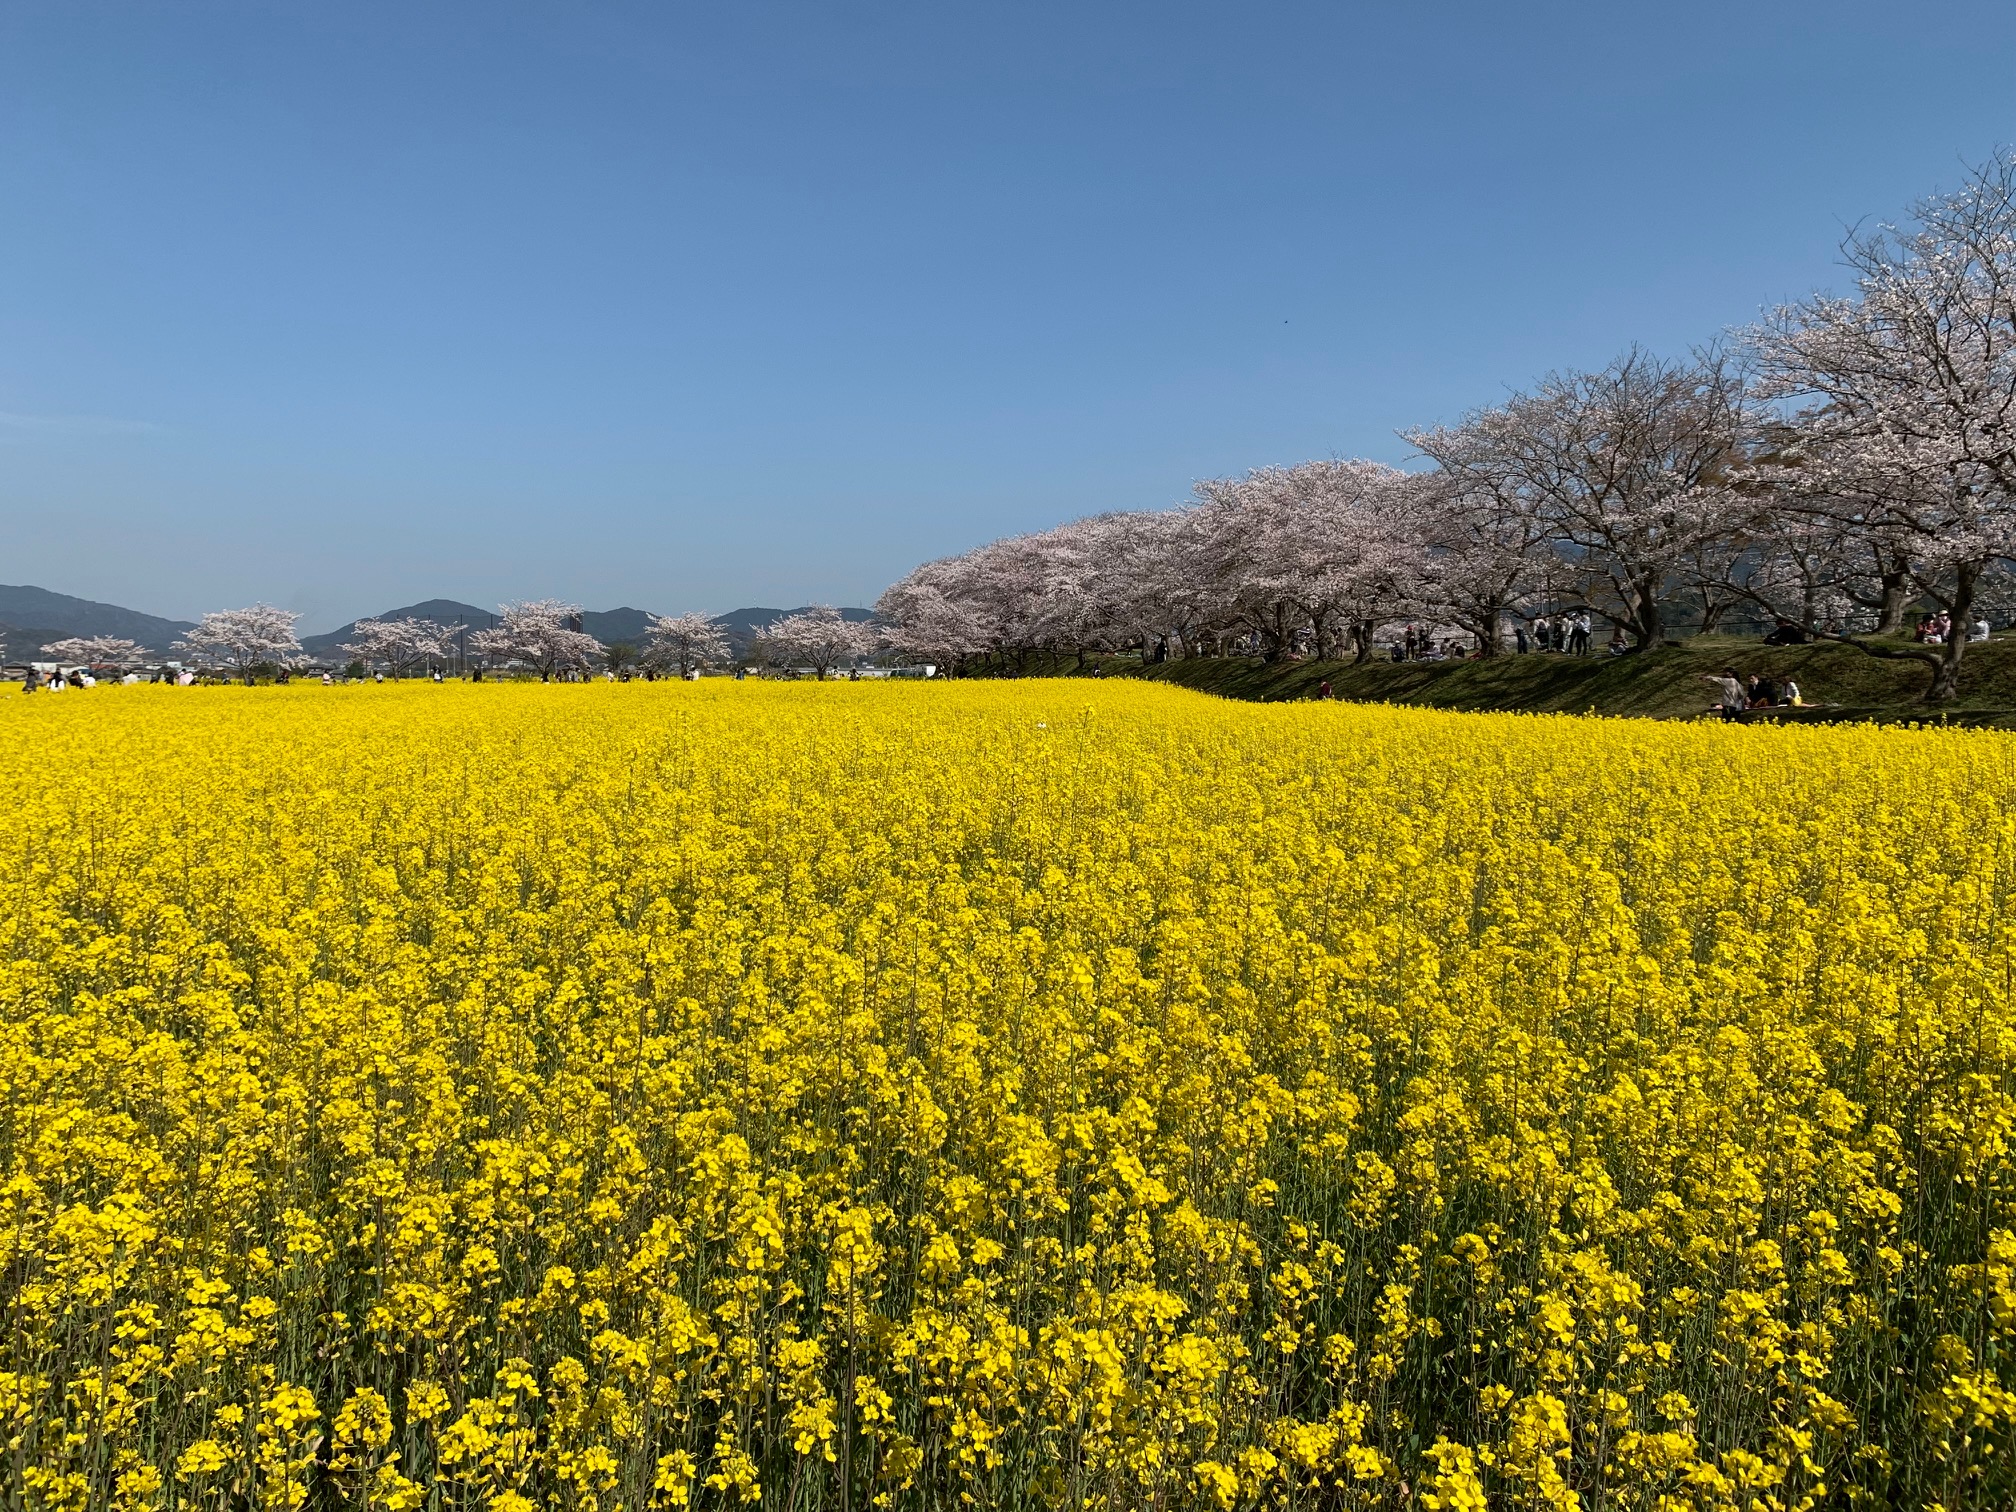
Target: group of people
(1937,629)
(60,681)
(1416,644)
(1758,691)
(1567,633)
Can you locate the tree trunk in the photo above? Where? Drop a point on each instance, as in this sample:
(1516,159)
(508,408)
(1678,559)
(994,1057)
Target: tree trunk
(1648,625)
(1644,617)
(1946,677)
(1895,603)
(1488,625)
(1326,641)
(1273,637)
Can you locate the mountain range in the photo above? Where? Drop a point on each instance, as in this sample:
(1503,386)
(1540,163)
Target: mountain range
(609,626)
(30,617)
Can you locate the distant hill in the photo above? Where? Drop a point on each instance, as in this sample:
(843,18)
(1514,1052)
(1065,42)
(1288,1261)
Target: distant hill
(20,644)
(441,611)
(609,626)
(612,625)
(22,607)
(30,617)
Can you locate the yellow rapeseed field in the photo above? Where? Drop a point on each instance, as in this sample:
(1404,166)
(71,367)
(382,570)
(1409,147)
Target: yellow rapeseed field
(1006,1095)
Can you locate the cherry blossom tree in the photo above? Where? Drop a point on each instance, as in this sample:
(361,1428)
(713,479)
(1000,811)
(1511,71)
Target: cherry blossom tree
(1326,548)
(1860,460)
(242,639)
(1907,437)
(684,643)
(820,638)
(1007,599)
(1251,580)
(1477,547)
(399,645)
(1624,472)
(932,618)
(1319,552)
(542,634)
(1152,579)
(1084,601)
(96,650)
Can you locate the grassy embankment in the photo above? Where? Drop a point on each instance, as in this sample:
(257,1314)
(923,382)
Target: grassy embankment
(1844,684)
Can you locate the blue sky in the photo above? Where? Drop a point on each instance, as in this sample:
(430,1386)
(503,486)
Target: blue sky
(692,306)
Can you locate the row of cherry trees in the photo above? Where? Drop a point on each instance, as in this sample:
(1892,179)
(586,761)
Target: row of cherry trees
(540,635)
(1847,462)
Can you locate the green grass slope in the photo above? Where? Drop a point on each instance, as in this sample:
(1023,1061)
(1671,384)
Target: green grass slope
(1665,684)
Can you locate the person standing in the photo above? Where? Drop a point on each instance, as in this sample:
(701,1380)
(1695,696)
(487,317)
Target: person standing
(1730,686)
(1519,638)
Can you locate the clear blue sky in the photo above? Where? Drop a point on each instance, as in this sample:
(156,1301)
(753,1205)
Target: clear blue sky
(346,304)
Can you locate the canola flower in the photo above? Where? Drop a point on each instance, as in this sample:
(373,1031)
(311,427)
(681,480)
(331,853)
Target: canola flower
(1012,1095)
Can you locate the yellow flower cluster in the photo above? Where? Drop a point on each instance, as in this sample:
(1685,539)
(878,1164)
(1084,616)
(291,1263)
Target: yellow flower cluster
(852,1096)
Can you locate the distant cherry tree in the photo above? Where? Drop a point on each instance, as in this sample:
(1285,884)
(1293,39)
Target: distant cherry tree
(819,638)
(683,643)
(542,634)
(96,650)
(242,639)
(398,646)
